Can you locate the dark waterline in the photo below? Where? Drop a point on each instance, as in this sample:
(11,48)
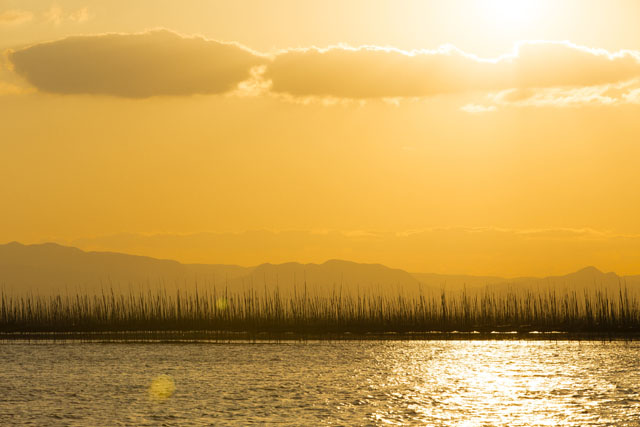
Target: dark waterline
(248,337)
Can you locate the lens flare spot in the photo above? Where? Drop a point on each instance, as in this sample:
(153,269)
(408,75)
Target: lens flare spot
(162,387)
(221,304)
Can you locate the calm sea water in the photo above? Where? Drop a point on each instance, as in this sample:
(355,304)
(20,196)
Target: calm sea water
(473,383)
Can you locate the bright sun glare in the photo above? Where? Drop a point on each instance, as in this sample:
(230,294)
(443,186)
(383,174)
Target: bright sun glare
(509,13)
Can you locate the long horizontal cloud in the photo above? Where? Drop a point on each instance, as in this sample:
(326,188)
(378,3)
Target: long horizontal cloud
(371,72)
(135,65)
(15,17)
(165,63)
(490,251)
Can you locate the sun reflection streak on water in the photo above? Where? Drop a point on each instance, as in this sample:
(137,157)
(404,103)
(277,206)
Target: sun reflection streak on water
(493,383)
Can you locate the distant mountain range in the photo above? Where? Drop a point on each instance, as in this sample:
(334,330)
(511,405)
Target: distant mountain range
(585,278)
(51,268)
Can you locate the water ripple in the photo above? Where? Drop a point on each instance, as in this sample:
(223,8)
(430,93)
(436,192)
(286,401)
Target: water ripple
(496,383)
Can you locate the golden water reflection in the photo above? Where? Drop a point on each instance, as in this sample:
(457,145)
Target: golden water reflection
(507,383)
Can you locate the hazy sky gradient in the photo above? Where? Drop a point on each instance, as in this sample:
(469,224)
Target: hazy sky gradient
(173,132)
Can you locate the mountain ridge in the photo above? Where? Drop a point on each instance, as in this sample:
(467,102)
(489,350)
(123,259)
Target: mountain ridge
(48,267)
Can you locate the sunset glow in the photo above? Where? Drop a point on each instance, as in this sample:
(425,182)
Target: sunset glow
(511,14)
(418,126)
(320,212)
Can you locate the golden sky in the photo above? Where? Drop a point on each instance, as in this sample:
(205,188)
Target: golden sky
(479,137)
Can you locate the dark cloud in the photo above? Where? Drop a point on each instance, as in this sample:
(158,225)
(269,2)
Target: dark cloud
(135,65)
(165,63)
(545,64)
(371,72)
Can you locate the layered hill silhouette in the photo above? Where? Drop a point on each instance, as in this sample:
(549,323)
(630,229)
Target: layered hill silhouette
(50,268)
(587,278)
